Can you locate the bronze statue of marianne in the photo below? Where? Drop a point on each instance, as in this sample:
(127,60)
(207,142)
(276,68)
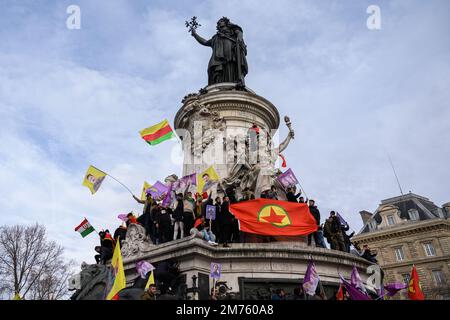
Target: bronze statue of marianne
(228,62)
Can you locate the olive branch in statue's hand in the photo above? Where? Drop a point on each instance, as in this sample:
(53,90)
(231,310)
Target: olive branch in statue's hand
(193,24)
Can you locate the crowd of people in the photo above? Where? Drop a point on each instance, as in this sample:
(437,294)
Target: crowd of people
(187,216)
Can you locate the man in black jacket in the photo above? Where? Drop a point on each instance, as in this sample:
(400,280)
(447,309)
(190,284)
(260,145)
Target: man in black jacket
(336,230)
(225,221)
(120,234)
(164,224)
(291,196)
(316,214)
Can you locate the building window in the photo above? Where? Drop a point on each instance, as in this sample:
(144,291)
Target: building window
(390,220)
(373,225)
(413,214)
(399,255)
(429,249)
(438,277)
(405,277)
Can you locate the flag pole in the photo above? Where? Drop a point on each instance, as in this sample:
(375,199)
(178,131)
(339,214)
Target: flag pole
(123,185)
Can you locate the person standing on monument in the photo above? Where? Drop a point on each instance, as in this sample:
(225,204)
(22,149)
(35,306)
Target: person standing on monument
(188,213)
(291,196)
(177,216)
(337,232)
(316,214)
(225,222)
(228,62)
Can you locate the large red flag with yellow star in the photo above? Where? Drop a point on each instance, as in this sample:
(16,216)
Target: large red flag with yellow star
(274,218)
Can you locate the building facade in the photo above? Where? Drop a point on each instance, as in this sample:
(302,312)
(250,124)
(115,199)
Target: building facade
(410,230)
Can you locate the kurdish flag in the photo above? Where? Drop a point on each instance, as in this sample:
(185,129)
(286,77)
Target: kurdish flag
(84,228)
(118,274)
(93,178)
(144,190)
(151,280)
(158,133)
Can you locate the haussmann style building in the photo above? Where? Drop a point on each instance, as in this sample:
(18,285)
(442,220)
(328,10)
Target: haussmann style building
(410,230)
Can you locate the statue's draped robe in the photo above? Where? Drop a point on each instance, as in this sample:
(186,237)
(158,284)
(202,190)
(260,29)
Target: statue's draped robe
(223,64)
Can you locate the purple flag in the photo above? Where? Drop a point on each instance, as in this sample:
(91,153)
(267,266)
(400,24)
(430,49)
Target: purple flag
(287,179)
(311,279)
(355,293)
(123,217)
(182,183)
(356,280)
(393,288)
(158,189)
(168,198)
(341,220)
(143,267)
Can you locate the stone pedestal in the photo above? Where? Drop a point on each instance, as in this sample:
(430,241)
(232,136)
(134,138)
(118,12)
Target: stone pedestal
(252,268)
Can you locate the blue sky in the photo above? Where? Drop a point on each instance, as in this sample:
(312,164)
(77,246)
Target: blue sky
(70,98)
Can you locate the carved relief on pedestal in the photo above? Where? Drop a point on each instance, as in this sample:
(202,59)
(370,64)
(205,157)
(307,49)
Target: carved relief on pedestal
(136,242)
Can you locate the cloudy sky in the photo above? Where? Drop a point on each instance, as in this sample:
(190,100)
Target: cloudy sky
(71,98)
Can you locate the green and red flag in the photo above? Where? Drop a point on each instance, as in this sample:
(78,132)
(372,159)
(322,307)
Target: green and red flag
(274,218)
(414,289)
(84,228)
(158,133)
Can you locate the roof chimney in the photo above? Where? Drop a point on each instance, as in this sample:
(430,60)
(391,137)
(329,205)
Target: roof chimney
(365,216)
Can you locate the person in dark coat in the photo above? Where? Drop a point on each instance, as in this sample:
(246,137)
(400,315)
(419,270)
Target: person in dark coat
(105,249)
(215,226)
(368,254)
(146,218)
(347,237)
(316,214)
(291,196)
(120,233)
(225,222)
(178,217)
(164,224)
(336,230)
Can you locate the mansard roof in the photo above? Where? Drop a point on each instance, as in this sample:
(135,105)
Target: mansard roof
(424,206)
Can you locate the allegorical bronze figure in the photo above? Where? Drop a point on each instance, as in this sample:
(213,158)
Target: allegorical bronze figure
(228,62)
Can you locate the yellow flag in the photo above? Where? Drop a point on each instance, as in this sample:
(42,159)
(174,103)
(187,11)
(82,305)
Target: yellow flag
(17,296)
(144,190)
(118,273)
(207,179)
(151,280)
(93,179)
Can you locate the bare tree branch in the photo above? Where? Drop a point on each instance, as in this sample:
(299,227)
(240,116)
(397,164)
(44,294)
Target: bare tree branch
(31,265)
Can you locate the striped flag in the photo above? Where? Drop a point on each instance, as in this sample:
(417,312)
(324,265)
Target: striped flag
(84,228)
(158,133)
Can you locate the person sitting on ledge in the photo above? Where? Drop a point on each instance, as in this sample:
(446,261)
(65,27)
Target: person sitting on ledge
(201,230)
(105,249)
(131,219)
(368,254)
